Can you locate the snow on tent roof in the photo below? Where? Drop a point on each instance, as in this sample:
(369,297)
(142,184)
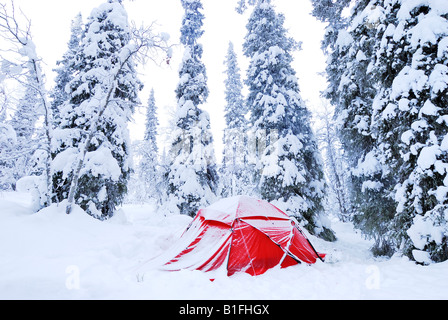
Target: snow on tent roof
(242,206)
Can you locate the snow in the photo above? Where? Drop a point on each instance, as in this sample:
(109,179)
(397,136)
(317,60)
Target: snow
(407,136)
(64,161)
(116,14)
(344,39)
(443,48)
(428,30)
(429,109)
(372,185)
(389,112)
(444,144)
(408,78)
(8,135)
(102,162)
(421,256)
(403,104)
(360,56)
(437,7)
(369,166)
(226,205)
(29,49)
(423,231)
(428,157)
(50,255)
(438,78)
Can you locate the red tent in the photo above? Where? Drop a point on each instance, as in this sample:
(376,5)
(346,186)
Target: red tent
(245,235)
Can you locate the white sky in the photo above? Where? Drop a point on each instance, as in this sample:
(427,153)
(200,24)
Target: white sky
(51,21)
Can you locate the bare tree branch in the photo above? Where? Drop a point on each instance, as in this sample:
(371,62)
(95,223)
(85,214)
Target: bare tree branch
(10,25)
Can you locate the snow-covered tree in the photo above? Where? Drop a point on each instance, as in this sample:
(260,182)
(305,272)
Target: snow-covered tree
(336,169)
(411,122)
(235,171)
(373,181)
(23,122)
(289,167)
(193,175)
(387,79)
(3,102)
(149,163)
(91,148)
(332,13)
(24,66)
(66,69)
(8,139)
(349,43)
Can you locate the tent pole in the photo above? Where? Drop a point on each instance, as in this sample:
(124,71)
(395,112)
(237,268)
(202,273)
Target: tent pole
(317,254)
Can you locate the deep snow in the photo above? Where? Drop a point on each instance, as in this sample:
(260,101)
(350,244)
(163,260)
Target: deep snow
(50,255)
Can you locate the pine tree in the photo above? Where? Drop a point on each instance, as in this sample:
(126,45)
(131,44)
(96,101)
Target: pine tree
(104,93)
(393,132)
(410,118)
(149,168)
(352,86)
(373,181)
(235,171)
(66,69)
(290,169)
(193,177)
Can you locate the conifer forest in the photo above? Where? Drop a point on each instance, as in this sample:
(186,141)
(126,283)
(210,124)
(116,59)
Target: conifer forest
(372,154)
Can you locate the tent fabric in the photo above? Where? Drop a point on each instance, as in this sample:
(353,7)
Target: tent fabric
(244,235)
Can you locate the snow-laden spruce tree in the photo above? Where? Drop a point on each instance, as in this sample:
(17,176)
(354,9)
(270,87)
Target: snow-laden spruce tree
(193,177)
(91,147)
(349,43)
(148,170)
(373,181)
(66,69)
(289,167)
(411,118)
(235,171)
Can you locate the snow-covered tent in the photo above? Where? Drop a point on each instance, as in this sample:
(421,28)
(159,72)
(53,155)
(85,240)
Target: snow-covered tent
(244,235)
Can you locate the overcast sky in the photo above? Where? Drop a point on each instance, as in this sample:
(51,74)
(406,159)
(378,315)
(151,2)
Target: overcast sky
(51,21)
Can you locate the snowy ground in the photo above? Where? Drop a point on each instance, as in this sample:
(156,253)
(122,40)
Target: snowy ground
(53,256)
